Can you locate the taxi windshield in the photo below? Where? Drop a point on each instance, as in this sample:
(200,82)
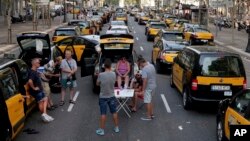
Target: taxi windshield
(65,32)
(39,44)
(200,30)
(116,46)
(173,36)
(221,66)
(158,26)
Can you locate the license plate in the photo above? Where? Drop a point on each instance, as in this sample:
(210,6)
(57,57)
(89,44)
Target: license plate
(204,40)
(228,93)
(220,88)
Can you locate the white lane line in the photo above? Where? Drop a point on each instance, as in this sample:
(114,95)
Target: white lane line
(180,127)
(137,38)
(165,103)
(141,48)
(74,99)
(218,42)
(134,32)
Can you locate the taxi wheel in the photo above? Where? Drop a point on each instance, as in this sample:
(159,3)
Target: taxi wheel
(191,42)
(158,67)
(148,38)
(220,131)
(187,102)
(171,80)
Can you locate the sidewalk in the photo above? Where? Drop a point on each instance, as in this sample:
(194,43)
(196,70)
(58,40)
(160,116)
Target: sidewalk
(22,27)
(224,38)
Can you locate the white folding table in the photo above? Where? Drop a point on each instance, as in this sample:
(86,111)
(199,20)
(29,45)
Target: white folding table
(122,97)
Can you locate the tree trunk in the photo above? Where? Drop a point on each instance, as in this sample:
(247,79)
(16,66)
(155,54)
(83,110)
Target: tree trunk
(9,21)
(248,43)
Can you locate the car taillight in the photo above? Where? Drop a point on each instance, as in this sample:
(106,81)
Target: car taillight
(54,39)
(244,84)
(194,84)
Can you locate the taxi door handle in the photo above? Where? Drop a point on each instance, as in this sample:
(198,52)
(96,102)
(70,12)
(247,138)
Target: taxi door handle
(238,122)
(20,100)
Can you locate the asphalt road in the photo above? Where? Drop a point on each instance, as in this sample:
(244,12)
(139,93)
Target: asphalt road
(172,122)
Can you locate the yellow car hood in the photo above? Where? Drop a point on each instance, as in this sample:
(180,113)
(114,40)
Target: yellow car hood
(204,35)
(169,57)
(153,31)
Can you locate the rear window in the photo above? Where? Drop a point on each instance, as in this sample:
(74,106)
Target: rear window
(221,66)
(65,33)
(200,30)
(173,36)
(116,46)
(158,26)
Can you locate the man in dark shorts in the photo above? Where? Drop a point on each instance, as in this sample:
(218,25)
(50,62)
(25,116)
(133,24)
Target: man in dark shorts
(106,81)
(36,90)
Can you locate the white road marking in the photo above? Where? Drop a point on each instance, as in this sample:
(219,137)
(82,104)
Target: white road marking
(188,122)
(137,38)
(180,127)
(134,32)
(74,99)
(141,48)
(218,42)
(165,103)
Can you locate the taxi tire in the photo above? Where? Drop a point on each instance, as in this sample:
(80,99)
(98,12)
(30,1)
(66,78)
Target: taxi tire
(220,125)
(148,38)
(186,101)
(172,81)
(158,67)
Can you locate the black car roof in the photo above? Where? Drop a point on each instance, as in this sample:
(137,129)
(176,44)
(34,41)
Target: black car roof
(209,50)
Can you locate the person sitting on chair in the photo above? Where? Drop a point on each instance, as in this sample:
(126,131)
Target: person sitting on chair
(136,84)
(122,70)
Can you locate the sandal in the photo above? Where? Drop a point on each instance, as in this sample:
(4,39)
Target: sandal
(72,102)
(62,103)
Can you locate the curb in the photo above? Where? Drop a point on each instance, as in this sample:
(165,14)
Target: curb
(239,51)
(10,47)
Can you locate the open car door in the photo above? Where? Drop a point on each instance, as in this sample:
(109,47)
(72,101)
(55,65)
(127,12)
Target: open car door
(13,100)
(89,60)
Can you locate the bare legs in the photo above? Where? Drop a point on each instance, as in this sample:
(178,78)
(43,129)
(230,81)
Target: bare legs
(103,120)
(119,81)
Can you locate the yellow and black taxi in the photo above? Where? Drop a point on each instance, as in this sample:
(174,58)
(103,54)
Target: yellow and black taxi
(143,18)
(204,73)
(166,49)
(198,36)
(77,44)
(13,106)
(169,19)
(84,26)
(148,23)
(64,32)
(153,29)
(235,111)
(178,24)
(114,47)
(121,17)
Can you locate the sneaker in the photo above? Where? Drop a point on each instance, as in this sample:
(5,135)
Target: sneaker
(49,117)
(116,130)
(44,118)
(100,132)
(146,118)
(152,116)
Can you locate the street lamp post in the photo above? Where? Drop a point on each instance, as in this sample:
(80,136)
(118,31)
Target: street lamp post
(65,12)
(248,43)
(73,9)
